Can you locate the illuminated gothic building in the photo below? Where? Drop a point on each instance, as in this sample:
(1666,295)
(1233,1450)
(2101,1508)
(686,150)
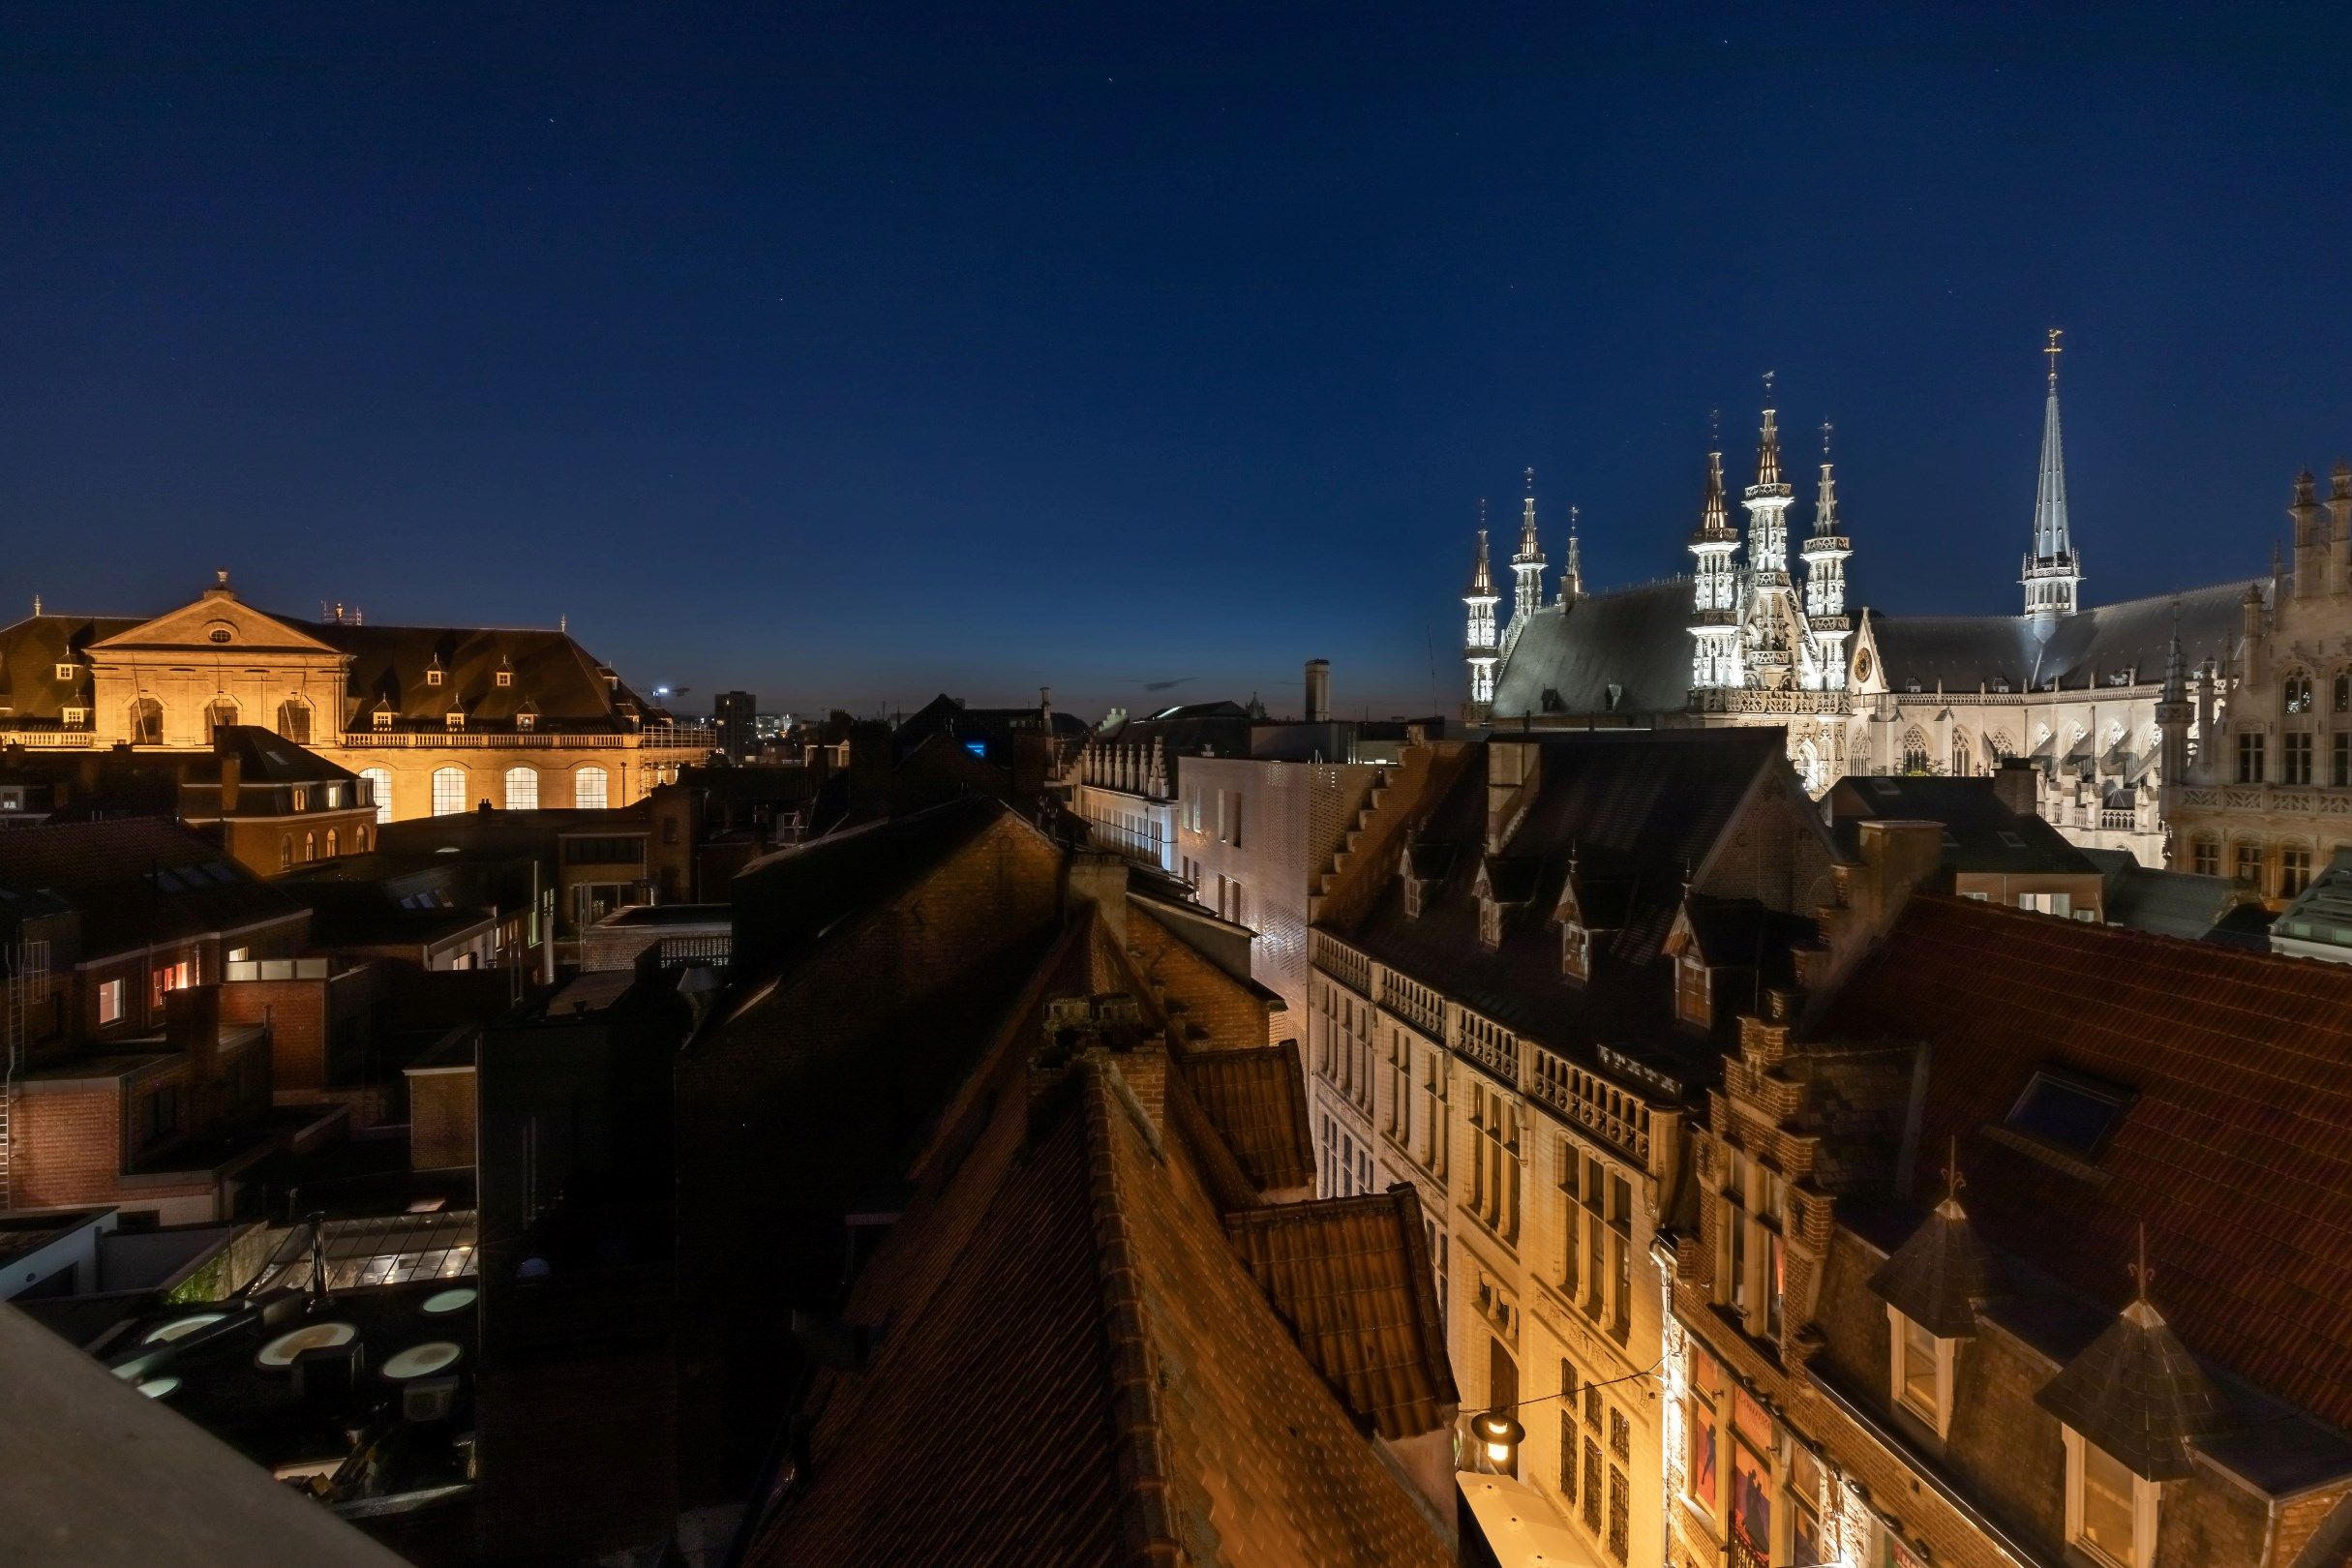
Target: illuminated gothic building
(1746,640)
(435,719)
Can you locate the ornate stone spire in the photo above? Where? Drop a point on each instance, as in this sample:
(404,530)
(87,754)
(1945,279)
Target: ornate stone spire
(1827,622)
(2053,572)
(1528,566)
(1572,574)
(1480,648)
(1715,660)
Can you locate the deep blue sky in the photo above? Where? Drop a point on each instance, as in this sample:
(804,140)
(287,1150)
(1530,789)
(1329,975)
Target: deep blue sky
(851,353)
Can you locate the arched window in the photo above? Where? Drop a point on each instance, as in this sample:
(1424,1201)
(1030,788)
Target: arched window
(1914,750)
(1997,745)
(359,841)
(382,779)
(1964,760)
(1809,767)
(310,847)
(147,722)
(521,789)
(588,790)
(286,853)
(2344,694)
(2205,856)
(219,713)
(2298,693)
(448,790)
(295,720)
(330,843)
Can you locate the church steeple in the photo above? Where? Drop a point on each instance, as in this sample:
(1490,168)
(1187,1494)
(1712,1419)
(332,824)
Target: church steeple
(1825,553)
(2053,572)
(1774,657)
(1528,566)
(1714,590)
(1479,645)
(1572,573)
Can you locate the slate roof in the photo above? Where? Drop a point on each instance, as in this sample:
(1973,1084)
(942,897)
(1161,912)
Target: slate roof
(2235,1148)
(2138,1394)
(1939,1275)
(264,757)
(1637,809)
(1351,1278)
(1974,817)
(30,651)
(1567,657)
(138,880)
(1122,1390)
(2163,903)
(1256,1100)
(1963,652)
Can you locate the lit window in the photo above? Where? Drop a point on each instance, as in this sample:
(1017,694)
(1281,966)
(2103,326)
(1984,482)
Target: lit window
(432,676)
(589,788)
(455,718)
(310,847)
(2111,1513)
(286,853)
(1922,1369)
(448,790)
(2298,693)
(383,719)
(110,1001)
(76,716)
(302,798)
(330,845)
(507,678)
(521,789)
(381,781)
(527,721)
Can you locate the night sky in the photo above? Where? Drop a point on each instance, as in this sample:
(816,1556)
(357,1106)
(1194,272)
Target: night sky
(850,352)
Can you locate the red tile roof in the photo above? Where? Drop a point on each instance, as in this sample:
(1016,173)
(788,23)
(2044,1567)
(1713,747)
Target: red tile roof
(1078,1371)
(2236,1151)
(1351,1276)
(1256,1100)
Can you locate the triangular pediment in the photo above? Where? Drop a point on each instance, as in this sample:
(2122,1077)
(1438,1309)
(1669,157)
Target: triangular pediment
(198,628)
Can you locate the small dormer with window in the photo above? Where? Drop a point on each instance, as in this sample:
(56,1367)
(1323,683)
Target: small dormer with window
(1420,868)
(1592,905)
(455,720)
(380,719)
(1932,1285)
(434,671)
(1505,885)
(507,671)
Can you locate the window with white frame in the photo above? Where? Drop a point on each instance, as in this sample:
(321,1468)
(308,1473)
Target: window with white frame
(380,780)
(448,790)
(75,718)
(432,676)
(1753,1261)
(589,788)
(110,1001)
(455,718)
(521,789)
(507,678)
(67,671)
(1922,1372)
(2111,1513)
(382,719)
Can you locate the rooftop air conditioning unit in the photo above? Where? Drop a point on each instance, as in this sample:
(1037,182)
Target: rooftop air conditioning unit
(428,1399)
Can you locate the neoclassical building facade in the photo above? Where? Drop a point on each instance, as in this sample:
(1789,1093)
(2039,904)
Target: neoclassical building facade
(435,719)
(1746,640)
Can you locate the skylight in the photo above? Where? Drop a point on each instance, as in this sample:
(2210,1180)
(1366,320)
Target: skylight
(2066,1113)
(2013,840)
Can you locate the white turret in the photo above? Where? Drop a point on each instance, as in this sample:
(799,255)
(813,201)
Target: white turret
(1527,570)
(1714,590)
(1572,572)
(1775,654)
(1825,552)
(2053,572)
(1479,644)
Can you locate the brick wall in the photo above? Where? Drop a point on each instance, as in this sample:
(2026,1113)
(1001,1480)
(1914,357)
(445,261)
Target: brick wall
(1211,1006)
(65,1145)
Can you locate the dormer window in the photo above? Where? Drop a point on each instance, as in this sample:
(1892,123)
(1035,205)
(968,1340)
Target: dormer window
(456,718)
(382,719)
(507,678)
(67,671)
(1921,1373)
(2111,1513)
(1693,996)
(1489,922)
(527,721)
(432,676)
(1413,897)
(75,718)
(1575,951)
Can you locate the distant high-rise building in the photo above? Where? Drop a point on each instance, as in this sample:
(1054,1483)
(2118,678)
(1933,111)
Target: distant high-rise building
(735,714)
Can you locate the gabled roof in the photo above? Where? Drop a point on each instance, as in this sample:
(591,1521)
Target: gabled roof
(1565,658)
(138,880)
(2232,1148)
(265,757)
(1980,834)
(1123,1390)
(1961,652)
(2163,903)
(1637,808)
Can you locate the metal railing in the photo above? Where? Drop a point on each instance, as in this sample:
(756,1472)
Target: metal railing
(681,737)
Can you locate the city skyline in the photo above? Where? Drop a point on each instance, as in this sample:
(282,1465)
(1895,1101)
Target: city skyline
(858,358)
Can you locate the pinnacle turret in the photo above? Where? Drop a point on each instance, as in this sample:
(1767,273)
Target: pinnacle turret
(2053,572)
(1528,566)
(1572,573)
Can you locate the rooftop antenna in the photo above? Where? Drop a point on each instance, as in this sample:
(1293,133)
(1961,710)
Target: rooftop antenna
(1953,1181)
(2054,350)
(2141,1276)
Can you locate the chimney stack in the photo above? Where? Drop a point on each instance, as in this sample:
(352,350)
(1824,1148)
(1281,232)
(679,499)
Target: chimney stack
(1318,691)
(2018,785)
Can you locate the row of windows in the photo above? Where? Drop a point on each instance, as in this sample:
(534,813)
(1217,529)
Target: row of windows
(2298,694)
(1581,1469)
(590,790)
(311,846)
(1596,1240)
(2298,758)
(2254,863)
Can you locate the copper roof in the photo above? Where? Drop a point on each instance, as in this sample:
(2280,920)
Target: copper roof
(2235,1148)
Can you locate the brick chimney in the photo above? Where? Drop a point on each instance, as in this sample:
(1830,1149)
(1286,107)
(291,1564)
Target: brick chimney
(2018,785)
